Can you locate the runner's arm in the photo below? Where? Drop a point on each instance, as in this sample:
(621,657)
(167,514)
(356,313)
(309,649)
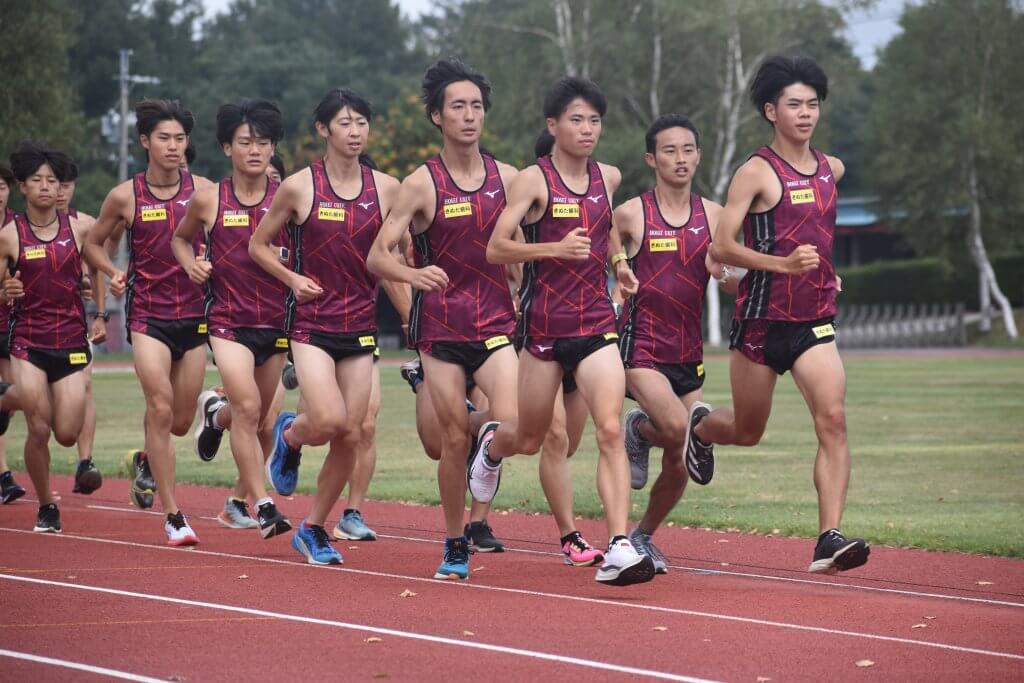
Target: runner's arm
(113,214)
(196,219)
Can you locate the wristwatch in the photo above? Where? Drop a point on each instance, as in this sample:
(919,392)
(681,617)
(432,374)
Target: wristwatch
(101,314)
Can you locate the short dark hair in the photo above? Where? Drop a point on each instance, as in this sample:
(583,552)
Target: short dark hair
(777,73)
(562,92)
(443,73)
(29,157)
(264,118)
(336,100)
(544,144)
(276,162)
(190,154)
(149,113)
(664,122)
(7,175)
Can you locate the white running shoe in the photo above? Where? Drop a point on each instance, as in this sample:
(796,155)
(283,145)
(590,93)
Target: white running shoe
(178,530)
(482,477)
(624,566)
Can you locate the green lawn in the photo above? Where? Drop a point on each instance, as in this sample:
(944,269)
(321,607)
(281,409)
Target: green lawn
(938,447)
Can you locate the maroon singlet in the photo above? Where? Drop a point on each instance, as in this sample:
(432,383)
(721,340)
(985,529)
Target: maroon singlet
(805,214)
(662,323)
(331,249)
(477,304)
(567,298)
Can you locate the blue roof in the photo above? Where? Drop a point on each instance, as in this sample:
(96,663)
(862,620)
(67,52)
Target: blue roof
(856,212)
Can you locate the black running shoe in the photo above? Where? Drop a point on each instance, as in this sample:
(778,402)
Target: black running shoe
(208,436)
(10,490)
(481,538)
(289,378)
(143,485)
(834,553)
(700,457)
(87,477)
(271,521)
(48,519)
(412,372)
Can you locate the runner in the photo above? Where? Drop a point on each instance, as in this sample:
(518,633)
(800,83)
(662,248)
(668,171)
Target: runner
(567,325)
(163,308)
(784,199)
(462,317)
(245,307)
(336,206)
(10,490)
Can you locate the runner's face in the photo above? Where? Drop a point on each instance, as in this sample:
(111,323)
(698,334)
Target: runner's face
(5,194)
(796,113)
(578,129)
(675,157)
(166,145)
(249,153)
(65,195)
(462,115)
(41,188)
(348,133)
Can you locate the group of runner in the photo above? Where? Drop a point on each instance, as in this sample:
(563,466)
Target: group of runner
(501,278)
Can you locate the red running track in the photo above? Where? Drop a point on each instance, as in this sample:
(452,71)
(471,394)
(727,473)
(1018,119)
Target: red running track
(108,594)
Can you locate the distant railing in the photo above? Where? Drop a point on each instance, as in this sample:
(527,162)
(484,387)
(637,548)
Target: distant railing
(872,326)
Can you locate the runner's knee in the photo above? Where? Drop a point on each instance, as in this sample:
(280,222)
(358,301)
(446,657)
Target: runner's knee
(830,422)
(556,444)
(609,434)
(245,411)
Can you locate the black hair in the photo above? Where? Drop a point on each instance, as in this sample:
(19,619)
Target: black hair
(7,175)
(278,165)
(72,172)
(664,122)
(264,118)
(29,157)
(544,144)
(190,154)
(562,92)
(149,113)
(777,73)
(443,73)
(336,100)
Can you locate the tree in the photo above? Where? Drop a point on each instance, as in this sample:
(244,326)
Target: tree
(947,132)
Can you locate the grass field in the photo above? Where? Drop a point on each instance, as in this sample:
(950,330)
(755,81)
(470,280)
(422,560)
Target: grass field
(938,447)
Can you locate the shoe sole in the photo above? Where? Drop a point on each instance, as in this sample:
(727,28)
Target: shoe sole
(201,418)
(45,530)
(640,571)
(13,496)
(226,522)
(450,576)
(342,535)
(88,482)
(690,466)
(280,527)
(588,563)
(848,557)
(485,549)
(188,540)
(473,457)
(141,499)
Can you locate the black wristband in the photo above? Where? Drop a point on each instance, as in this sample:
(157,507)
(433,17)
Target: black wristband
(101,314)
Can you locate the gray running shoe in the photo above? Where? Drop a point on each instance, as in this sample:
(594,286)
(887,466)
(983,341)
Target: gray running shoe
(642,542)
(637,448)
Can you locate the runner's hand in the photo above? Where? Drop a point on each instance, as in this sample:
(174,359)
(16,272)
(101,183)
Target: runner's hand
(429,279)
(628,284)
(118,283)
(13,287)
(85,287)
(305,289)
(98,331)
(802,259)
(575,246)
(200,270)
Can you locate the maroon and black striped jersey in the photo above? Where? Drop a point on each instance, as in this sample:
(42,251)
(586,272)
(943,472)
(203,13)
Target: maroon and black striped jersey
(158,287)
(240,293)
(477,304)
(331,249)
(51,315)
(567,298)
(662,323)
(805,214)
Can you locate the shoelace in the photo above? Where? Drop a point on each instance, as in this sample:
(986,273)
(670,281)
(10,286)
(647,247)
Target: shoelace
(292,458)
(356,516)
(242,507)
(320,537)
(456,552)
(177,521)
(578,543)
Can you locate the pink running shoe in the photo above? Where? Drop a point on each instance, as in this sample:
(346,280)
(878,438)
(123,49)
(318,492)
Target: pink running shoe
(579,553)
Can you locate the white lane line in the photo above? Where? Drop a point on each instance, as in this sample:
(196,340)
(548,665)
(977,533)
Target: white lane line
(103,671)
(140,512)
(540,594)
(699,570)
(411,635)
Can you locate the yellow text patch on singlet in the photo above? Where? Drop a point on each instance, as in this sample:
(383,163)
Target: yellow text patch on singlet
(154,214)
(281,343)
(565,210)
(700,369)
(456,210)
(327,213)
(32,253)
(823,330)
(667,244)
(611,335)
(367,341)
(201,329)
(801,196)
(236,220)
(495,342)
(78,358)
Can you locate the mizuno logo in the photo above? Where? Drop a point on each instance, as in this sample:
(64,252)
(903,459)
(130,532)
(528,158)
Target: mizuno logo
(825,178)
(542,349)
(63,243)
(365,205)
(264,210)
(596,198)
(754,348)
(696,231)
(183,202)
(492,193)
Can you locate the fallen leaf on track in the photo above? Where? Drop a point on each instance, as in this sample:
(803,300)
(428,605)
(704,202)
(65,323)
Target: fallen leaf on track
(407,594)
(722,540)
(929,617)
(478,569)
(919,626)
(374,639)
(763,679)
(983,583)
(660,628)
(243,576)
(864,663)
(468,633)
(353,547)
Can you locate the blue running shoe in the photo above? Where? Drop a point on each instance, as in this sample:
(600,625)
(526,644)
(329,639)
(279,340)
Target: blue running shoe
(455,565)
(353,528)
(283,463)
(314,544)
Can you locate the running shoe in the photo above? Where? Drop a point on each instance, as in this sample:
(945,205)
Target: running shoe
(481,538)
(834,553)
(578,553)
(412,373)
(271,522)
(283,463)
(700,457)
(48,519)
(143,486)
(353,528)
(10,490)
(483,475)
(643,544)
(289,378)
(235,515)
(314,544)
(455,564)
(470,408)
(207,437)
(623,565)
(87,477)
(637,448)
(178,531)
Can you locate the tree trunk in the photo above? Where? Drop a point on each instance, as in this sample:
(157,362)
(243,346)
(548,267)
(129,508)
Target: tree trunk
(977,246)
